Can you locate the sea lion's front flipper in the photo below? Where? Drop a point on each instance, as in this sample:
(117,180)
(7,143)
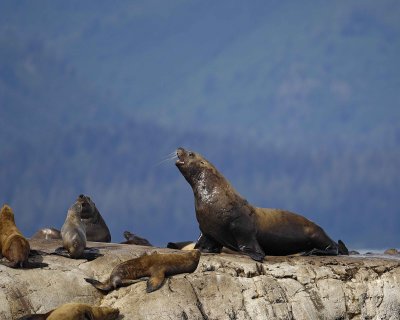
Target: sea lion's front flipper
(207,244)
(156,280)
(342,248)
(242,229)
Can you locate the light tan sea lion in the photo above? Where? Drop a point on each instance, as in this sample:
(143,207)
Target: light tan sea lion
(227,219)
(13,244)
(47,234)
(76,311)
(156,266)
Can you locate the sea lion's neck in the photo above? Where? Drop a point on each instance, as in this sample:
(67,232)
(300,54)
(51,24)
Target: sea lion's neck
(209,185)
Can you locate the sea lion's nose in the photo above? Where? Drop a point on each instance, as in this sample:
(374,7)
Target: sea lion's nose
(81,196)
(180,152)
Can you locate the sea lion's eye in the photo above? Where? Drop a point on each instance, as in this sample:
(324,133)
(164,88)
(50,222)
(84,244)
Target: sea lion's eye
(191,154)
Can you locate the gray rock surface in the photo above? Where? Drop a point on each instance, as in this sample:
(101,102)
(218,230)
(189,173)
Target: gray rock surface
(224,286)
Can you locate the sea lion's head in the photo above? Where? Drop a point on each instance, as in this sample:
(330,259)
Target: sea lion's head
(7,213)
(195,168)
(88,208)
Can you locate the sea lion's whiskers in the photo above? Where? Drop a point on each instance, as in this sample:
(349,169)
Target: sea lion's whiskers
(171,157)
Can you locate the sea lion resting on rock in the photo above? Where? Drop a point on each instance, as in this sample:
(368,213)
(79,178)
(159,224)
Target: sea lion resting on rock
(76,311)
(156,266)
(13,244)
(47,234)
(96,228)
(73,232)
(132,238)
(227,219)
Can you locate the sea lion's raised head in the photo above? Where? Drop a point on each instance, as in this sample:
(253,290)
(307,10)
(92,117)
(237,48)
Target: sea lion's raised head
(200,173)
(88,208)
(192,164)
(7,213)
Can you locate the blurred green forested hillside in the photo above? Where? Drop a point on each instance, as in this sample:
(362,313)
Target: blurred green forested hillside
(297,103)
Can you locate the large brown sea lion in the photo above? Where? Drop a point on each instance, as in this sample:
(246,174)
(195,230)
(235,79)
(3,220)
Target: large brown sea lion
(156,266)
(226,219)
(96,228)
(13,244)
(73,232)
(132,238)
(76,311)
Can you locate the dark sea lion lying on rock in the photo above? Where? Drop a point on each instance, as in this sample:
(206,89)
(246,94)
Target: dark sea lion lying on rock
(156,266)
(227,219)
(13,245)
(132,238)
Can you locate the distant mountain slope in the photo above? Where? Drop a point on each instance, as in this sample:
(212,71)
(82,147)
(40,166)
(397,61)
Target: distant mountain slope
(305,70)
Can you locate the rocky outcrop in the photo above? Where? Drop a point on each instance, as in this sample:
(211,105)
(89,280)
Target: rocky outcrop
(223,287)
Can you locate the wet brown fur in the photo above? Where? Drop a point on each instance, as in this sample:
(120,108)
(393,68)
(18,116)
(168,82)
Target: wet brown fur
(13,244)
(227,219)
(156,266)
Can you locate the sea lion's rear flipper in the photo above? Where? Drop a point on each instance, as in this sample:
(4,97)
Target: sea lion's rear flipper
(331,250)
(61,251)
(105,287)
(207,244)
(342,248)
(156,280)
(126,282)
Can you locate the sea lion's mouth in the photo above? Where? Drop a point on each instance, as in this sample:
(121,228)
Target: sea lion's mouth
(180,152)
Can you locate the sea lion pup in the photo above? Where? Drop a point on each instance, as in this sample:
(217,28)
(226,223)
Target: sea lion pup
(227,219)
(76,311)
(13,244)
(132,238)
(73,232)
(96,228)
(156,266)
(47,234)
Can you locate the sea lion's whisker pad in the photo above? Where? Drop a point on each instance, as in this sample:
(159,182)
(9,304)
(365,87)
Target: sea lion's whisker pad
(226,219)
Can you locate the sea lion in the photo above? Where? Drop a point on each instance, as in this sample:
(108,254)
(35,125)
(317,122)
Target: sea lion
(13,244)
(156,266)
(183,245)
(132,238)
(96,228)
(391,251)
(226,219)
(76,311)
(73,232)
(47,234)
